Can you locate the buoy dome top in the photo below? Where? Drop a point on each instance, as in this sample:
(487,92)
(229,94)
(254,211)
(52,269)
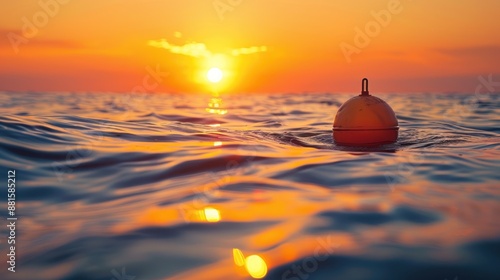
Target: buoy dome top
(365,111)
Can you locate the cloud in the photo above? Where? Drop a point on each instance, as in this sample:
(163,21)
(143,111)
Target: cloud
(251,50)
(37,42)
(481,51)
(190,49)
(200,50)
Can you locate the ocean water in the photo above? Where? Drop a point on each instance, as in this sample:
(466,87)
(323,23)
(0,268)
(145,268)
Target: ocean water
(163,186)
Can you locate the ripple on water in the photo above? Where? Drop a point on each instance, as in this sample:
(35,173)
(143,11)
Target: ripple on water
(130,185)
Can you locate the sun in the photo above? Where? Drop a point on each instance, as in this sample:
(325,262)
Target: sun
(214,75)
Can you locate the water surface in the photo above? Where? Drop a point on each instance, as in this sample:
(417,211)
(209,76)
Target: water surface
(160,186)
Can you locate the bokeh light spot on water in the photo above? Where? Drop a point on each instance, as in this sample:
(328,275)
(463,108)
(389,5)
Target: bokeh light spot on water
(239,258)
(212,215)
(217,143)
(256,266)
(164,188)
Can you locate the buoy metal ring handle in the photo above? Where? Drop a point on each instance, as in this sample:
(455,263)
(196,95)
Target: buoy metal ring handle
(364,87)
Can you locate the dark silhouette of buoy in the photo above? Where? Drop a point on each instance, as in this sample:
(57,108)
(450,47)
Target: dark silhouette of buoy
(365,120)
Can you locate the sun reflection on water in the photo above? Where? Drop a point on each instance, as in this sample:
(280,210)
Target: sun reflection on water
(216,106)
(210,215)
(239,258)
(254,264)
(217,143)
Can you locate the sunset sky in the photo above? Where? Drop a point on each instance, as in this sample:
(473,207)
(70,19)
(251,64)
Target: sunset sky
(260,45)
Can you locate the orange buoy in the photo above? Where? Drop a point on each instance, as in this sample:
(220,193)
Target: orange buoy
(365,120)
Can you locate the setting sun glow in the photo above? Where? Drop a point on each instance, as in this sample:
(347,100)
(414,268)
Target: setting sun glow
(214,75)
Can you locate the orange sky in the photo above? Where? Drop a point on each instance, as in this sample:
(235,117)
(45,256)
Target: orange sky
(261,45)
